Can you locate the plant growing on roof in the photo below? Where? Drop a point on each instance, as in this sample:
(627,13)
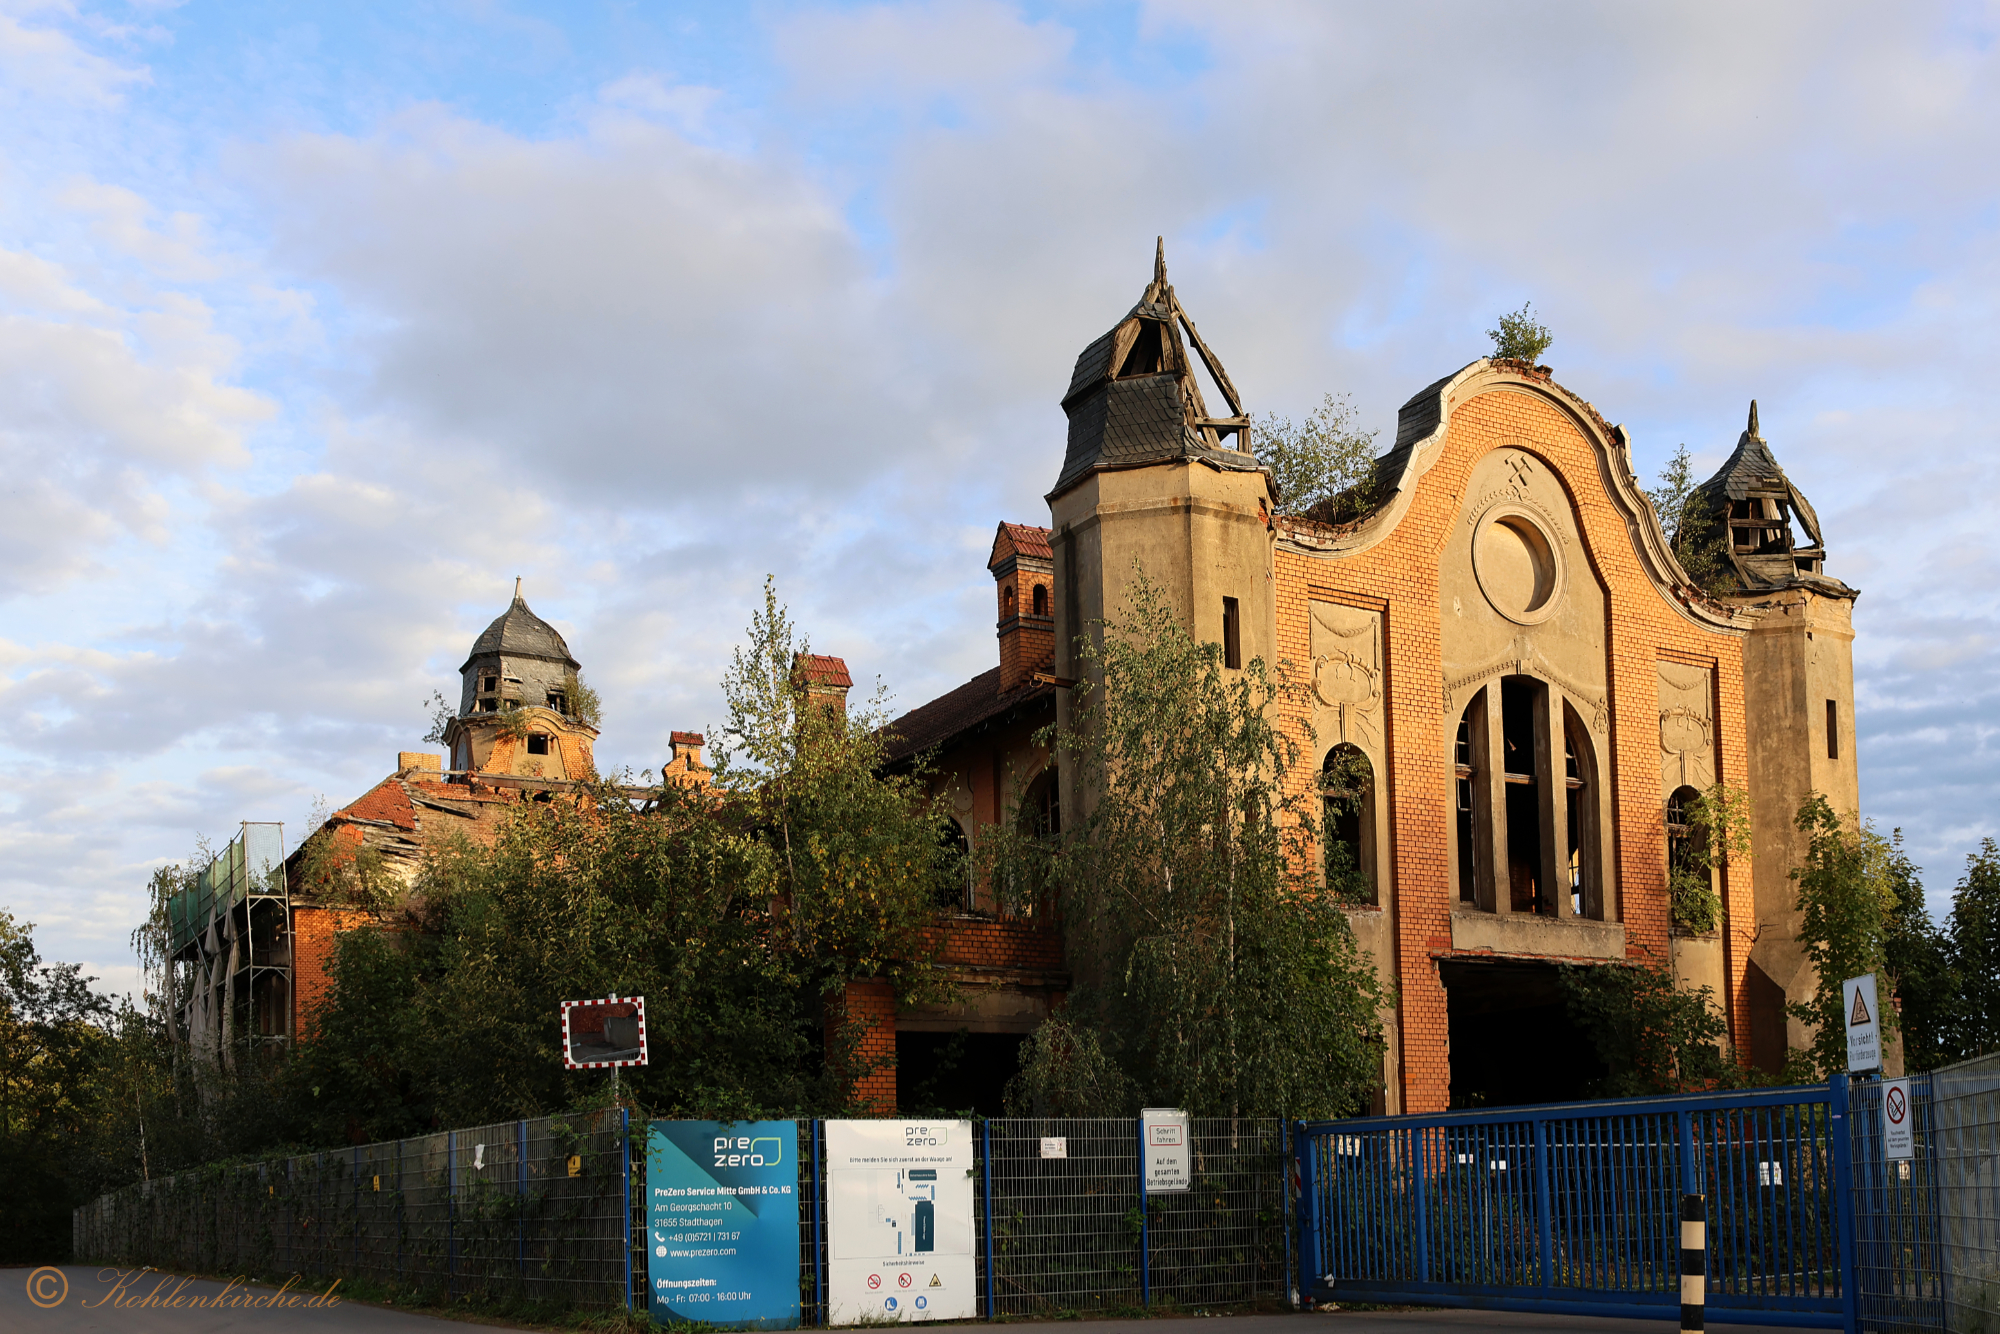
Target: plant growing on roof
(1520,337)
(1323,466)
(581,702)
(1694,530)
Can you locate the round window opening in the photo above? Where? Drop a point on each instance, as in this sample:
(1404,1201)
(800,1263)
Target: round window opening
(1518,567)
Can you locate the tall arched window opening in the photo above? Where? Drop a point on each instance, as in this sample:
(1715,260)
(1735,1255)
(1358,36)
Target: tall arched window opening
(1465,768)
(1041,600)
(1688,876)
(953,885)
(1585,871)
(1347,828)
(1518,699)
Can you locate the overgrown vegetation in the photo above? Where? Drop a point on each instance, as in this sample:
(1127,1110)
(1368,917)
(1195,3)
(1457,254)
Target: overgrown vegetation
(1718,828)
(1520,336)
(1652,1036)
(1696,532)
(1322,467)
(1213,969)
(1847,901)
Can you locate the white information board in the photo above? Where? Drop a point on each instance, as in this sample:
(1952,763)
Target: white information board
(1864,1024)
(1899,1120)
(899,1201)
(1163,1137)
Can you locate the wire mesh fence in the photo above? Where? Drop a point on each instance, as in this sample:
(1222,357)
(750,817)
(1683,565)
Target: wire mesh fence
(1966,1133)
(1070,1232)
(519,1210)
(1898,1278)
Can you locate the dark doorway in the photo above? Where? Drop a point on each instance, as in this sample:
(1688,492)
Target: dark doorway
(1512,1040)
(957,1072)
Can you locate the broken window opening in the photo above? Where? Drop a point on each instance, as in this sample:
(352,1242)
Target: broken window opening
(1006,603)
(1232,634)
(1687,840)
(1145,358)
(1041,600)
(1580,792)
(1348,824)
(538,743)
(488,684)
(1462,757)
(558,701)
(1832,730)
(489,706)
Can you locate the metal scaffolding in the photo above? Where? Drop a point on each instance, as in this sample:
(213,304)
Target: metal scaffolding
(230,938)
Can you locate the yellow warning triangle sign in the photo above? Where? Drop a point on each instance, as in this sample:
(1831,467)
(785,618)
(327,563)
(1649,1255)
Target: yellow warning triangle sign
(1860,1012)
(936,1282)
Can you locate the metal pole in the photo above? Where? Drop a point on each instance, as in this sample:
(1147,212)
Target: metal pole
(1544,1232)
(986,1180)
(451,1213)
(521,1202)
(1421,1181)
(625,1181)
(1145,1277)
(1694,1262)
(818,1209)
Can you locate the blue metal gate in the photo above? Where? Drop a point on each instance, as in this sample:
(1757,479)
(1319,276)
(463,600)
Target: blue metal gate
(1573,1207)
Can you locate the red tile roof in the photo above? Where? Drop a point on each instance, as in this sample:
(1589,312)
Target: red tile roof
(820,669)
(687,738)
(1020,539)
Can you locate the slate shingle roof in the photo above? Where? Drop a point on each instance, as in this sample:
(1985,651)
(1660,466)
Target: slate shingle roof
(518,633)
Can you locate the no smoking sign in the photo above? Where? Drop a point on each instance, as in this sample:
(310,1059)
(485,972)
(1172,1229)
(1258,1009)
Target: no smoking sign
(1899,1138)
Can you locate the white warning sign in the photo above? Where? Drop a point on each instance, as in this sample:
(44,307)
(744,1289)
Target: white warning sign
(1899,1120)
(1169,1157)
(899,1200)
(1864,1028)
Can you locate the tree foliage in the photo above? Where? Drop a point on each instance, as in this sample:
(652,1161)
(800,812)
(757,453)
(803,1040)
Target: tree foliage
(1652,1036)
(1847,900)
(1213,968)
(1695,531)
(1520,336)
(1323,466)
(1718,824)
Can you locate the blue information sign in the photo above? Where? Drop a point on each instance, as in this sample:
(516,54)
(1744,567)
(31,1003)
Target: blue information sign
(722,1222)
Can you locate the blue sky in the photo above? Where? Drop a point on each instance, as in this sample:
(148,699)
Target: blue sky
(320,323)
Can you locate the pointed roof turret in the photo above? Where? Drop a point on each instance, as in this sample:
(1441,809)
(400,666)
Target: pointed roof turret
(1750,506)
(518,633)
(1134,400)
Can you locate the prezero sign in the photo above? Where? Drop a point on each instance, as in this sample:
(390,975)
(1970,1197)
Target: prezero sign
(722,1222)
(899,1203)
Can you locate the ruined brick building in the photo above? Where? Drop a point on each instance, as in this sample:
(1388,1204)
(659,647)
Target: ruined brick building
(1501,641)
(1535,689)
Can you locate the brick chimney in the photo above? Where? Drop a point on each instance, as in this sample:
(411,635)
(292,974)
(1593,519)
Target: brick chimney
(686,768)
(1024,572)
(825,678)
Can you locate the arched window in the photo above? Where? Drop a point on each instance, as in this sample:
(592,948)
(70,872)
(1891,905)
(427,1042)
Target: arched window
(953,892)
(1041,600)
(1041,806)
(1585,871)
(1689,881)
(1466,770)
(1006,602)
(1347,830)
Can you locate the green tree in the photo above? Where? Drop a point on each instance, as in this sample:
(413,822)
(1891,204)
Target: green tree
(1520,337)
(1847,899)
(1973,957)
(851,850)
(1213,967)
(1652,1036)
(1695,531)
(52,1033)
(1323,466)
(1918,959)
(1718,829)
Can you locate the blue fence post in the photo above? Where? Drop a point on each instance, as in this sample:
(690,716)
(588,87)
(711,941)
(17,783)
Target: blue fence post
(521,1203)
(1421,1179)
(1544,1232)
(986,1183)
(1690,1170)
(1843,1201)
(1145,1277)
(819,1212)
(451,1213)
(625,1173)
(1309,1208)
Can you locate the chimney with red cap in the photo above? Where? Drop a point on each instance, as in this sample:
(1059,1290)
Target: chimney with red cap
(1024,571)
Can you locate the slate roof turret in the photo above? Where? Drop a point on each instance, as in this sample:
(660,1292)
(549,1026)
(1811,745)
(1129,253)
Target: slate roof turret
(1133,399)
(518,633)
(1753,505)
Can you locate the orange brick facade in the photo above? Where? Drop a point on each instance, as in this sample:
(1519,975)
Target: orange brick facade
(1399,576)
(313,944)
